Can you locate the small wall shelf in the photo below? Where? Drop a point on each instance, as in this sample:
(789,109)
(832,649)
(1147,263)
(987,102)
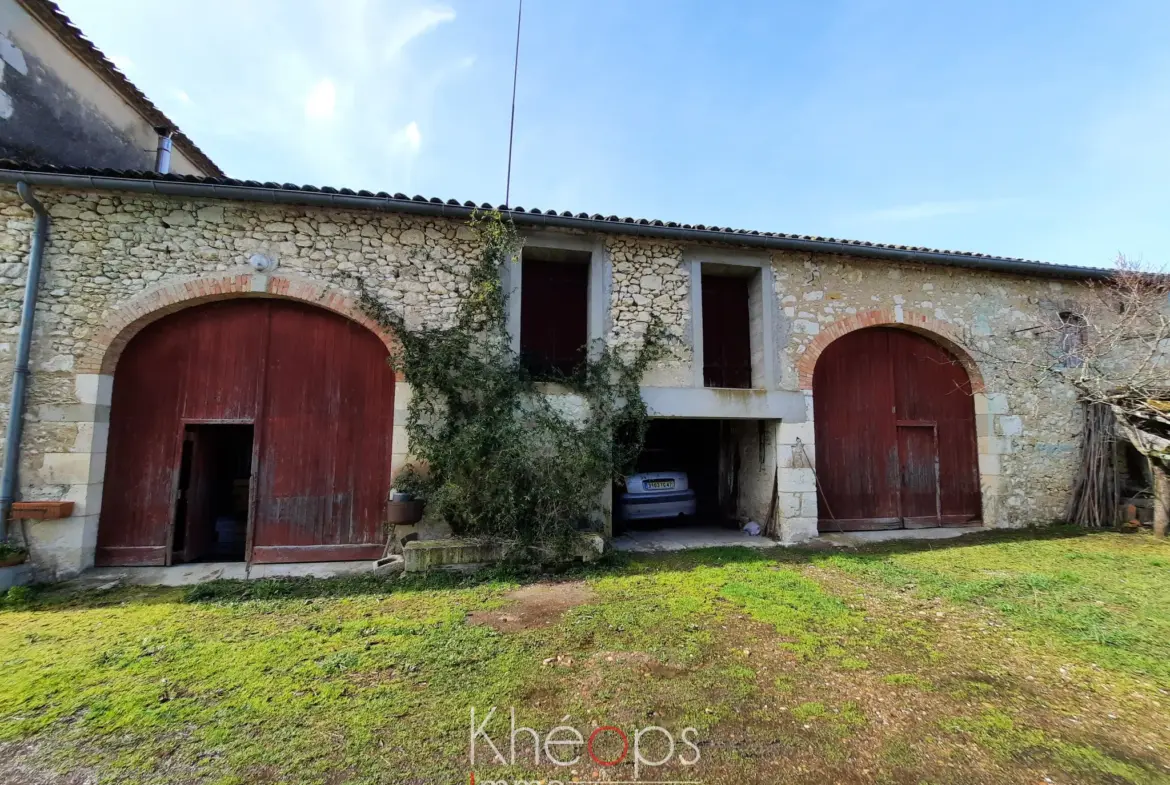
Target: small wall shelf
(42,511)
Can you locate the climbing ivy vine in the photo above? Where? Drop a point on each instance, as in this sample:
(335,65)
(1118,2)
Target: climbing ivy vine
(498,458)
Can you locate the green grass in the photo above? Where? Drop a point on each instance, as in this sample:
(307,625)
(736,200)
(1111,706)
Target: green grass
(1103,596)
(1002,659)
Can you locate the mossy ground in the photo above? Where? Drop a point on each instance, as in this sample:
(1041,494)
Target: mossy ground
(1004,658)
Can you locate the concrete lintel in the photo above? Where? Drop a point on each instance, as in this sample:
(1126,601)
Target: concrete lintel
(724,404)
(745,258)
(537,238)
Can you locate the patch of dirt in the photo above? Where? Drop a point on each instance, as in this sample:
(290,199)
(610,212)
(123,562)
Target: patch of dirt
(20,764)
(645,663)
(537,605)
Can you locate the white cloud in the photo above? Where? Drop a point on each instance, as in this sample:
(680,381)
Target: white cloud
(415,25)
(321,101)
(926,210)
(408,138)
(276,111)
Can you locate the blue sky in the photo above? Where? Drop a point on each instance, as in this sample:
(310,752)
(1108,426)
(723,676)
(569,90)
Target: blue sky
(1037,129)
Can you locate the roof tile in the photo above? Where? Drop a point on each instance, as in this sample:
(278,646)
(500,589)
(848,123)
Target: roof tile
(716,232)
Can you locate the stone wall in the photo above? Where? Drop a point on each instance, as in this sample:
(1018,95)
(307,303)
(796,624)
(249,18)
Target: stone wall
(1027,432)
(111,253)
(115,258)
(649,278)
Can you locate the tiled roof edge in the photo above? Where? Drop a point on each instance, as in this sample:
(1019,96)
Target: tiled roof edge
(270,192)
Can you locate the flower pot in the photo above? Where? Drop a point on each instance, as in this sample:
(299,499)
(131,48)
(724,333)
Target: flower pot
(404,513)
(13,559)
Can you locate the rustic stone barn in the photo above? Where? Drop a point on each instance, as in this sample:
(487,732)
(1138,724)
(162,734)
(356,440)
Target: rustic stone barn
(204,385)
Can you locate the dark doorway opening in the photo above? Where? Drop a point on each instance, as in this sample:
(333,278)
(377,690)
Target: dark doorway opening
(211,505)
(697,448)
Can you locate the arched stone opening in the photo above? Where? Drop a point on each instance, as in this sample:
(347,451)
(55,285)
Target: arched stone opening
(254,429)
(895,433)
(800,495)
(127,320)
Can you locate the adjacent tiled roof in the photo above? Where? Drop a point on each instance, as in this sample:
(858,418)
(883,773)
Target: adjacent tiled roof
(51,16)
(229,188)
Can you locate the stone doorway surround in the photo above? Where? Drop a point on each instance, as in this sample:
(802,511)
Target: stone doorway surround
(66,546)
(796,441)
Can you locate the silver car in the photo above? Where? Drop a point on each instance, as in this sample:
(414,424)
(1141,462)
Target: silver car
(657,495)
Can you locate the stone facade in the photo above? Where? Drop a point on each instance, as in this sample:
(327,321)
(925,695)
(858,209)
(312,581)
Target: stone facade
(649,278)
(1027,435)
(116,261)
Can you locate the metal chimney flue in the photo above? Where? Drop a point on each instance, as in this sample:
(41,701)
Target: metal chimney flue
(162,156)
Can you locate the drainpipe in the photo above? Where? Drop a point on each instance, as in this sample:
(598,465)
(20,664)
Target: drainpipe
(162,156)
(23,344)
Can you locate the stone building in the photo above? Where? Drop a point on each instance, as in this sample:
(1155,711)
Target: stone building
(62,102)
(837,384)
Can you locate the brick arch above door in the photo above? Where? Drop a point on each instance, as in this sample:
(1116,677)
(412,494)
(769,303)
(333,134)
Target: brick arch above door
(314,390)
(123,322)
(940,332)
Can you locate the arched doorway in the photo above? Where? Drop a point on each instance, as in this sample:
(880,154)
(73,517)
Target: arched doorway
(253,428)
(895,434)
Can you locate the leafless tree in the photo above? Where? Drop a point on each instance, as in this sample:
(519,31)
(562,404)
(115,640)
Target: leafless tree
(1109,340)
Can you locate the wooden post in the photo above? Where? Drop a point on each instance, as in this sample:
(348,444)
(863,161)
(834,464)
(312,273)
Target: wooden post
(1161,498)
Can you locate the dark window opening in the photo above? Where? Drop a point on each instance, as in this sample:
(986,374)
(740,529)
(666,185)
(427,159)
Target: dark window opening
(554,311)
(211,509)
(1072,339)
(727,352)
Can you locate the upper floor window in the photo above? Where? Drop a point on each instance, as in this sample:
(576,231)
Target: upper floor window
(1073,331)
(727,342)
(554,311)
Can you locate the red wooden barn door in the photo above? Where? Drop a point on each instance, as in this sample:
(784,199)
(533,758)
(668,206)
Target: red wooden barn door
(318,391)
(197,364)
(895,430)
(325,438)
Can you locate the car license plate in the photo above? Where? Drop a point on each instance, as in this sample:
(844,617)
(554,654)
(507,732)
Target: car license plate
(658,485)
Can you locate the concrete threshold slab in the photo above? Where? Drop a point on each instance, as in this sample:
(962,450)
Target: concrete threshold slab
(687,537)
(189,574)
(854,539)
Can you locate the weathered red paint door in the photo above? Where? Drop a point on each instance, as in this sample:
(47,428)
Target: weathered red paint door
(918,464)
(727,351)
(554,318)
(895,430)
(324,468)
(318,390)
